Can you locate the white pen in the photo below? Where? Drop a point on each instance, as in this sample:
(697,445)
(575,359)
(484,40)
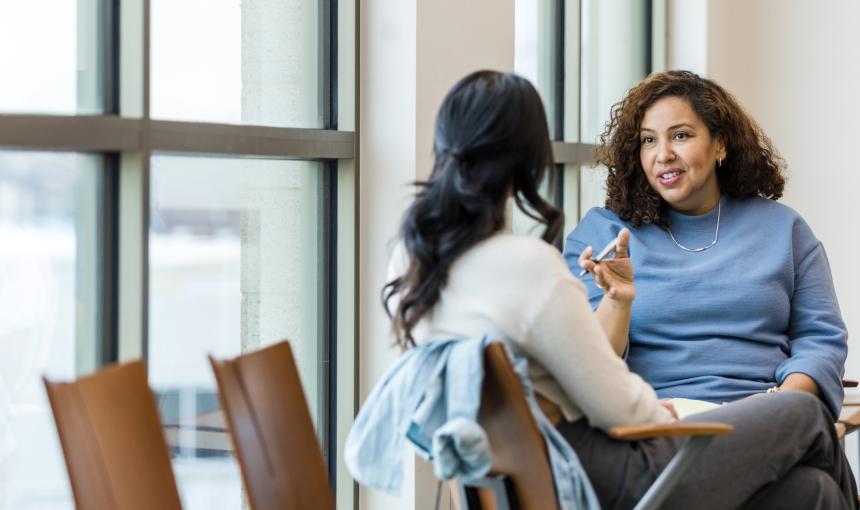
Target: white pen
(607,250)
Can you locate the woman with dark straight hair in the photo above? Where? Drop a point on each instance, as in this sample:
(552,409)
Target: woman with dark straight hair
(484,155)
(458,271)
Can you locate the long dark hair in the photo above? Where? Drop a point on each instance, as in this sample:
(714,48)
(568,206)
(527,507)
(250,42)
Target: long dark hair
(752,166)
(491,141)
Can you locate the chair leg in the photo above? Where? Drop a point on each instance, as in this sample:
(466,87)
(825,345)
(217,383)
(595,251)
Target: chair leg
(659,491)
(500,486)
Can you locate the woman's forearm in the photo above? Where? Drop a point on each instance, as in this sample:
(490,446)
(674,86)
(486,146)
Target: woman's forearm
(614,317)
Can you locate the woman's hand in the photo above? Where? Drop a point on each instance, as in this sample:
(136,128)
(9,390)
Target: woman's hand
(615,275)
(669,407)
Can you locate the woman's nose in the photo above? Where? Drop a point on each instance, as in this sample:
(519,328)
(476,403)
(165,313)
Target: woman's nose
(665,152)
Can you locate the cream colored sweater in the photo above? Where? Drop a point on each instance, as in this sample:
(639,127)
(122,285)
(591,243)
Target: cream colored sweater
(520,288)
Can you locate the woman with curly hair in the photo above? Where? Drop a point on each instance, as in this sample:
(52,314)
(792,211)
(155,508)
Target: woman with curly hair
(734,294)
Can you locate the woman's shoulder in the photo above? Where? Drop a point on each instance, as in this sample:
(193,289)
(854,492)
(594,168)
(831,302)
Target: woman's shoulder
(779,220)
(602,215)
(766,205)
(519,247)
(500,252)
(508,261)
(771,213)
(515,252)
(597,227)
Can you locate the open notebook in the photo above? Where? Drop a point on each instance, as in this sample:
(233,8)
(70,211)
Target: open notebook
(687,406)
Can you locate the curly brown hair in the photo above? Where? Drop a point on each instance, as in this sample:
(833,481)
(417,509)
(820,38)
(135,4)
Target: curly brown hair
(752,165)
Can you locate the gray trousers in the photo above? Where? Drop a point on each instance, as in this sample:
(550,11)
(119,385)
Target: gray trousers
(783,454)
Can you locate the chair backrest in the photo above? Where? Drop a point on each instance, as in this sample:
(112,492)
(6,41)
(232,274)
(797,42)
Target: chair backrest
(113,442)
(272,431)
(518,448)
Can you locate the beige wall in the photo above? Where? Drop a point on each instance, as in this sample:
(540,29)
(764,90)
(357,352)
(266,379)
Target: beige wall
(454,39)
(796,67)
(411,53)
(687,30)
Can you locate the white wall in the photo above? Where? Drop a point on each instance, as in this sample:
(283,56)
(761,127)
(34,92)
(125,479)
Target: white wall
(386,163)
(411,53)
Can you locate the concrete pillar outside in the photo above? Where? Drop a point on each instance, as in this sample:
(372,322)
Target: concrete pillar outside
(281,200)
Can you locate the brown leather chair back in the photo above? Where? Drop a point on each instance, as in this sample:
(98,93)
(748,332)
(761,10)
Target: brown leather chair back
(272,431)
(112,440)
(518,448)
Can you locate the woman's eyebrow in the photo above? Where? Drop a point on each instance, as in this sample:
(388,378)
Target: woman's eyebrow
(670,128)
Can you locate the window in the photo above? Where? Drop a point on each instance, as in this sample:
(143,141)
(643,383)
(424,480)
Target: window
(256,63)
(49,298)
(583,55)
(53,63)
(615,49)
(236,262)
(169,190)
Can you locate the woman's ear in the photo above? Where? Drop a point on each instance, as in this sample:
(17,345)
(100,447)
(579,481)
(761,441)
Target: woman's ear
(721,149)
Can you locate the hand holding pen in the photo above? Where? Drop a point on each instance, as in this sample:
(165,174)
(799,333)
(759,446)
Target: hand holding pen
(607,250)
(614,275)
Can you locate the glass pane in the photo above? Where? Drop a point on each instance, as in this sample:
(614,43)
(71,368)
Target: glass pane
(244,62)
(592,187)
(570,194)
(615,54)
(571,70)
(51,53)
(235,264)
(535,50)
(48,310)
(584,188)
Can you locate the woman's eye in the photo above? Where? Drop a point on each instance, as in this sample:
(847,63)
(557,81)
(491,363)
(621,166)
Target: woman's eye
(681,136)
(647,139)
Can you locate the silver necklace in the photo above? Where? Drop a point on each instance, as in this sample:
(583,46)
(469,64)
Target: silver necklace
(703,248)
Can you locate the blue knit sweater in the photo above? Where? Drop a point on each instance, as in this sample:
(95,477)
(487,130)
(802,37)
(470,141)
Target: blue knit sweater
(735,319)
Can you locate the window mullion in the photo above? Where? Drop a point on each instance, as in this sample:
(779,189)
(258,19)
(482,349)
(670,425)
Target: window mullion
(133,185)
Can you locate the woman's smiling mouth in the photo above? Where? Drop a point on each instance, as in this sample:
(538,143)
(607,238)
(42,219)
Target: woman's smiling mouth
(669,177)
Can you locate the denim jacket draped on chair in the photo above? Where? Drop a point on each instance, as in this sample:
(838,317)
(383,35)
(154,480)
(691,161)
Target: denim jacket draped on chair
(431,397)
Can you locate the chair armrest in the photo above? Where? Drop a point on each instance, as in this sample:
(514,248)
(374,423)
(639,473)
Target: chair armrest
(848,424)
(849,383)
(701,436)
(670,429)
(851,421)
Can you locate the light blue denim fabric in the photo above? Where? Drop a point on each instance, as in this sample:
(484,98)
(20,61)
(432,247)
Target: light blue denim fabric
(431,397)
(411,400)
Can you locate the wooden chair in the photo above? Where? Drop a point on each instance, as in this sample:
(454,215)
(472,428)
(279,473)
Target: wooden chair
(272,431)
(112,440)
(521,476)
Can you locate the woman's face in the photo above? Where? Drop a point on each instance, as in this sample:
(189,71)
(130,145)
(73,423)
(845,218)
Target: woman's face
(679,156)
